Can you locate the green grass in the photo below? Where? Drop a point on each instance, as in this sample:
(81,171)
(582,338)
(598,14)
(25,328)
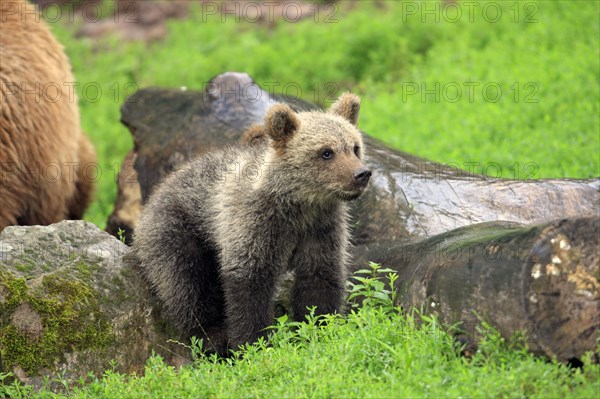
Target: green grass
(369,354)
(549,128)
(375,351)
(545,60)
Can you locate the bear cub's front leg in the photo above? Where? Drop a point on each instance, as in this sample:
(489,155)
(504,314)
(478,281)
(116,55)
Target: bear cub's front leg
(321,268)
(249,288)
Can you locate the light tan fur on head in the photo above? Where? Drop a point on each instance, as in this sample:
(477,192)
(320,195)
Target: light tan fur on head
(281,123)
(347,106)
(321,151)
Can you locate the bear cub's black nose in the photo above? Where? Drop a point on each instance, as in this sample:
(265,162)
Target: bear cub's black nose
(362,175)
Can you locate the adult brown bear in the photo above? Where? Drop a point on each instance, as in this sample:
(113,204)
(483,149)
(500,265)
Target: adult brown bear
(44,156)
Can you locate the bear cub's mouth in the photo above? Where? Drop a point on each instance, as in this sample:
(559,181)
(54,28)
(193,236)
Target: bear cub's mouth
(350,195)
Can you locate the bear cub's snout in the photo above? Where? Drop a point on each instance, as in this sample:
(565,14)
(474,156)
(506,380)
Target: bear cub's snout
(362,176)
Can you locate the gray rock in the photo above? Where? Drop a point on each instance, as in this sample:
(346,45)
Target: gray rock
(69,305)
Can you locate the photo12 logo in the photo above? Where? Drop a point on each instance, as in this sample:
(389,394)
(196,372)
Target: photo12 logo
(52,92)
(471,11)
(268,11)
(453,92)
(252,92)
(69,11)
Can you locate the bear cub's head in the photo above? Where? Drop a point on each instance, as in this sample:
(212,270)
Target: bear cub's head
(320,152)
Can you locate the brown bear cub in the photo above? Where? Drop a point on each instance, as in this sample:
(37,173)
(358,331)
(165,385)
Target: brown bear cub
(215,236)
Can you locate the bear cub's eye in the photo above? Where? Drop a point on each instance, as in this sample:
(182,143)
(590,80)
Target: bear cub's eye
(327,154)
(356,149)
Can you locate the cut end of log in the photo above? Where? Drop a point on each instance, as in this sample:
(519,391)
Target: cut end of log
(563,301)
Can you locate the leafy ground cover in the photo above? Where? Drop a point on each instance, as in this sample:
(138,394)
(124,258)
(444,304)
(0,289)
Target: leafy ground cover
(376,351)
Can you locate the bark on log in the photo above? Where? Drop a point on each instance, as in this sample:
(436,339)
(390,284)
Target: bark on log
(416,214)
(539,279)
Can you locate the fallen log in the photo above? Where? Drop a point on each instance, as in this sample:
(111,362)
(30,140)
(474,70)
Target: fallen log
(409,197)
(465,245)
(541,280)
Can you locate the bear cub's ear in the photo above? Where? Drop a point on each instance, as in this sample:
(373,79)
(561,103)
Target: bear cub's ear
(281,123)
(347,106)
(254,135)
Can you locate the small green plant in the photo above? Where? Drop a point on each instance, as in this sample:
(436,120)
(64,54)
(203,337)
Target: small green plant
(494,348)
(121,235)
(61,378)
(11,388)
(195,347)
(369,288)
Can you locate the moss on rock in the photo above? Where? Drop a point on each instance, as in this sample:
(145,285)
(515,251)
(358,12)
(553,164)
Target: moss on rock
(70,308)
(71,320)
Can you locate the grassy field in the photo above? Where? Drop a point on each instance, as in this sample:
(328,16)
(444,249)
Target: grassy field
(520,94)
(376,351)
(508,84)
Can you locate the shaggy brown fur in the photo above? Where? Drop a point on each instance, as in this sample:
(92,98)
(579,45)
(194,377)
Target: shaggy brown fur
(216,236)
(254,135)
(43,153)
